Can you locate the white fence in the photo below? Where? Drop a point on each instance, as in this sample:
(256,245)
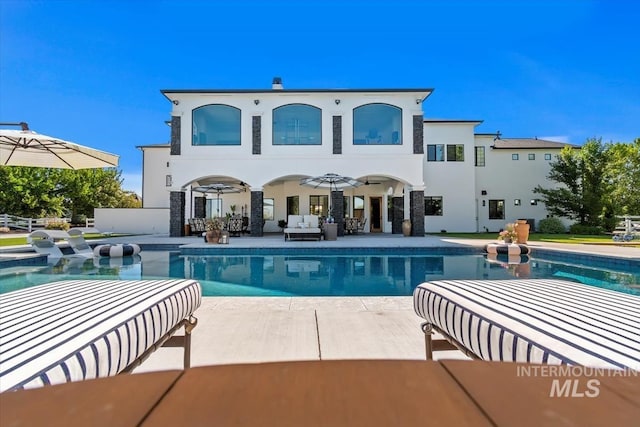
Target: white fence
(132,220)
(29,224)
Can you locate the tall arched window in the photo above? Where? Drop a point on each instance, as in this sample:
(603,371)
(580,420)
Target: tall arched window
(377,124)
(297,124)
(216,124)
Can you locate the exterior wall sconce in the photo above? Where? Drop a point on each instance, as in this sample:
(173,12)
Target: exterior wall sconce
(256,101)
(484,203)
(168,181)
(418,101)
(516,202)
(534,202)
(175,102)
(337,101)
(483,192)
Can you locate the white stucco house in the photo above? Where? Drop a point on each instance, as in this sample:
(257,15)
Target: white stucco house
(440,174)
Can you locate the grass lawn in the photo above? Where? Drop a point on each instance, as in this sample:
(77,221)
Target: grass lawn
(14,241)
(555,238)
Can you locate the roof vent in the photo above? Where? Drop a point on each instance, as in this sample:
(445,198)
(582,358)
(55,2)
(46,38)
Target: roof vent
(277,84)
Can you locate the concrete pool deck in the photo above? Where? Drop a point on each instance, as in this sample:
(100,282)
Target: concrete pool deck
(266,329)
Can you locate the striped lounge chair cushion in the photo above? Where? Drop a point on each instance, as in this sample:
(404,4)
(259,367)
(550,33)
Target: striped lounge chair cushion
(82,329)
(537,321)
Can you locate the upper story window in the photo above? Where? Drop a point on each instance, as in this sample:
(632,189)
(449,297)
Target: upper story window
(480,156)
(455,152)
(216,124)
(297,124)
(377,124)
(515,156)
(435,152)
(531,156)
(547,156)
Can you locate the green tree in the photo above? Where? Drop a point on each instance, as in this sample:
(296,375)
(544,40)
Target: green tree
(86,189)
(597,183)
(30,192)
(623,176)
(40,192)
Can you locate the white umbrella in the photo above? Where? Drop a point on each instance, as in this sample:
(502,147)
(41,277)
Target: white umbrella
(29,148)
(331,181)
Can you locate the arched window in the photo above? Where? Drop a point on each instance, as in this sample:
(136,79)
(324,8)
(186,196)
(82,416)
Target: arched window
(297,124)
(377,124)
(216,124)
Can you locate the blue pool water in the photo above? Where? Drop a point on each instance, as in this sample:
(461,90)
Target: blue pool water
(386,273)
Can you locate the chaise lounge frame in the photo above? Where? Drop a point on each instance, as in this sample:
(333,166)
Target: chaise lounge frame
(75,330)
(546,321)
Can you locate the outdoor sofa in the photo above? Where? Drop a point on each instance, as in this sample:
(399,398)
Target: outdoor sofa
(303,227)
(75,330)
(533,321)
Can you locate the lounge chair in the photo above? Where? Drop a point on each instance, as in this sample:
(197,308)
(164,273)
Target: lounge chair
(361,225)
(77,242)
(351,225)
(301,227)
(81,329)
(533,321)
(197,226)
(234,225)
(45,242)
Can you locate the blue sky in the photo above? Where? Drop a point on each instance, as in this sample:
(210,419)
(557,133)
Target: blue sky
(91,71)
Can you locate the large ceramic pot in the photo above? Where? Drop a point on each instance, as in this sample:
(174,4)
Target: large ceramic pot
(522,230)
(406,227)
(213,236)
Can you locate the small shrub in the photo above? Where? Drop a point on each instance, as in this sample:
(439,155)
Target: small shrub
(585,229)
(79,219)
(551,226)
(57,225)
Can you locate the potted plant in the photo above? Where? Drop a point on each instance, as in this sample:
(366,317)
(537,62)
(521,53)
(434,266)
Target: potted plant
(508,235)
(233,209)
(214,229)
(282,224)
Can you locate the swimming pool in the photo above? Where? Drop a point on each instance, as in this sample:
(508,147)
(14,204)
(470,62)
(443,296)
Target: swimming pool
(370,273)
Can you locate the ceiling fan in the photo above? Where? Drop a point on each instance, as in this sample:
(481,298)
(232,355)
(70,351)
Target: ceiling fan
(366,182)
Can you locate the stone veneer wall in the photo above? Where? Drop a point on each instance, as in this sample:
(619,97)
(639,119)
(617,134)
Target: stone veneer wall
(398,215)
(416,212)
(176,213)
(256,213)
(337,210)
(256,138)
(337,134)
(175,135)
(418,134)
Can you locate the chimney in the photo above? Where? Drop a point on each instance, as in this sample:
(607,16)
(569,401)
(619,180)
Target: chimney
(277,84)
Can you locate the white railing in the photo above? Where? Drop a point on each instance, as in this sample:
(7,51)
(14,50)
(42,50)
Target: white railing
(30,224)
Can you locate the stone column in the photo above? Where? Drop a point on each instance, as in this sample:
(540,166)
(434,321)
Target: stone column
(176,213)
(416,212)
(256,213)
(337,210)
(398,215)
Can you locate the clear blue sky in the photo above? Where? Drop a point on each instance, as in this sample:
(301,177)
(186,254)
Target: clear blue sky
(91,71)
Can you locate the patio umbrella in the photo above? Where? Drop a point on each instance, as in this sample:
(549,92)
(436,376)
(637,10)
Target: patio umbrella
(218,189)
(28,148)
(332,181)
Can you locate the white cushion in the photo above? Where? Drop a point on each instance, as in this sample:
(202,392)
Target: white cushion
(293,220)
(312,220)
